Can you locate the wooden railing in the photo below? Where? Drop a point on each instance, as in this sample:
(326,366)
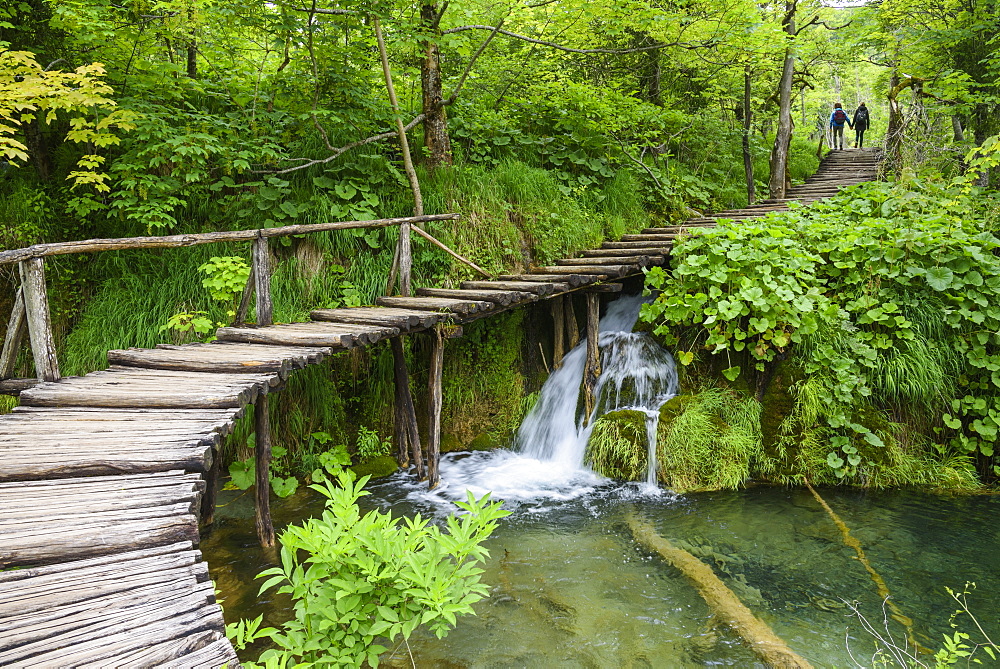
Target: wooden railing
(30,313)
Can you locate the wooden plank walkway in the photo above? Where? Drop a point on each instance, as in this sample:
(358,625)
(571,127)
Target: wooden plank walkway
(101,476)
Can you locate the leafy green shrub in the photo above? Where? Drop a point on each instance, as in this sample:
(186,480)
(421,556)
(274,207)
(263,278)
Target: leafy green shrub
(886,295)
(359,582)
(369,446)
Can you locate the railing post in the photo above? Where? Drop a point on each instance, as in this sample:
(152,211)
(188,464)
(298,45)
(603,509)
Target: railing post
(16,329)
(36,303)
(405,259)
(262,280)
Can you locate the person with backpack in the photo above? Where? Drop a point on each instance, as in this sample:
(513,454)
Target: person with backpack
(837,120)
(861,123)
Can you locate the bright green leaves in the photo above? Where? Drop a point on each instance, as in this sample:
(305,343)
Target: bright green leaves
(225,277)
(853,297)
(358,580)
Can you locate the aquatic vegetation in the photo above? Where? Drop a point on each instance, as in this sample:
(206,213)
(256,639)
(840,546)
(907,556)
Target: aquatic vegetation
(362,580)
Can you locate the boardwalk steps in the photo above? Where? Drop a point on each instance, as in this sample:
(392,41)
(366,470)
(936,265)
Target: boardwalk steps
(101,480)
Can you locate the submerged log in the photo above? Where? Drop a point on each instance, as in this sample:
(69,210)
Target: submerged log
(768,646)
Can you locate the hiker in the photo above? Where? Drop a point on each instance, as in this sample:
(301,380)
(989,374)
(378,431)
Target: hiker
(837,120)
(861,124)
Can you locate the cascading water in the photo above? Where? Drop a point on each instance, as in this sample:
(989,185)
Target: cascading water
(636,373)
(548,460)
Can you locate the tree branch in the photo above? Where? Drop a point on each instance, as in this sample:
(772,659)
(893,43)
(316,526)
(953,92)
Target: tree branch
(532,40)
(335,12)
(336,153)
(472,61)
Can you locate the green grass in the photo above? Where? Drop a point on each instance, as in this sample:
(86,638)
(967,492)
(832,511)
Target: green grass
(710,439)
(618,447)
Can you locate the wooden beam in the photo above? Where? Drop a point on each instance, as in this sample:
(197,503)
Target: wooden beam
(36,304)
(434,407)
(604,288)
(262,451)
(592,370)
(262,281)
(179,241)
(17,327)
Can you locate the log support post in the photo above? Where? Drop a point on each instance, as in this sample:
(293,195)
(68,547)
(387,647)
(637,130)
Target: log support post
(407,435)
(434,408)
(211,486)
(262,485)
(592,369)
(558,331)
(572,326)
(262,281)
(36,304)
(17,327)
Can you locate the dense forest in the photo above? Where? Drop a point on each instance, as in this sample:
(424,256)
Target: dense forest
(548,126)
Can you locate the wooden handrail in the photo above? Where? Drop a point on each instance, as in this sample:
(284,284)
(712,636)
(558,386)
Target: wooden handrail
(178,241)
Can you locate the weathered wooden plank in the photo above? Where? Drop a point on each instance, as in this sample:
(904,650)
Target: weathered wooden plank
(98,464)
(226,358)
(669,237)
(463,307)
(99,564)
(16,386)
(573,280)
(538,288)
(604,288)
(599,272)
(335,335)
(36,305)
(501,297)
(626,252)
(660,247)
(612,261)
(83,538)
(404,319)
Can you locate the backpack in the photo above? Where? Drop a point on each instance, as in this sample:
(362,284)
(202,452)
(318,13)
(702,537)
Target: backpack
(839,116)
(861,115)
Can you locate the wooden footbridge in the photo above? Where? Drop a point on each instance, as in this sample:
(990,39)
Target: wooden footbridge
(104,478)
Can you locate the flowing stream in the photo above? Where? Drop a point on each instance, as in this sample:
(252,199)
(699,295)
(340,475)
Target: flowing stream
(547,461)
(570,587)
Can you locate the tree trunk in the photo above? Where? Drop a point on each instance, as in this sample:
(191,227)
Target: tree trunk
(747,120)
(956,128)
(778,182)
(894,130)
(192,47)
(436,137)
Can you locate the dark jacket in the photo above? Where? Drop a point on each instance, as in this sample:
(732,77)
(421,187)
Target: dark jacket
(864,122)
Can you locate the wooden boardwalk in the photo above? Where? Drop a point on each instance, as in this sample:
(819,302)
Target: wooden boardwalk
(103,477)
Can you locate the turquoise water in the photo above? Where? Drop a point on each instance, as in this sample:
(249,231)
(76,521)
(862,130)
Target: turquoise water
(571,588)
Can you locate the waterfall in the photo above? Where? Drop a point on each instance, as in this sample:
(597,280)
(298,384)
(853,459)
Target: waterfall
(547,459)
(636,373)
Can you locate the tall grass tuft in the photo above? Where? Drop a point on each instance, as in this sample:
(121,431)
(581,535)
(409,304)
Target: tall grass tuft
(709,440)
(618,447)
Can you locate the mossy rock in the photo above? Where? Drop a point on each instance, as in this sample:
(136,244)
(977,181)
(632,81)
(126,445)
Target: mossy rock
(380,467)
(483,442)
(450,443)
(618,446)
